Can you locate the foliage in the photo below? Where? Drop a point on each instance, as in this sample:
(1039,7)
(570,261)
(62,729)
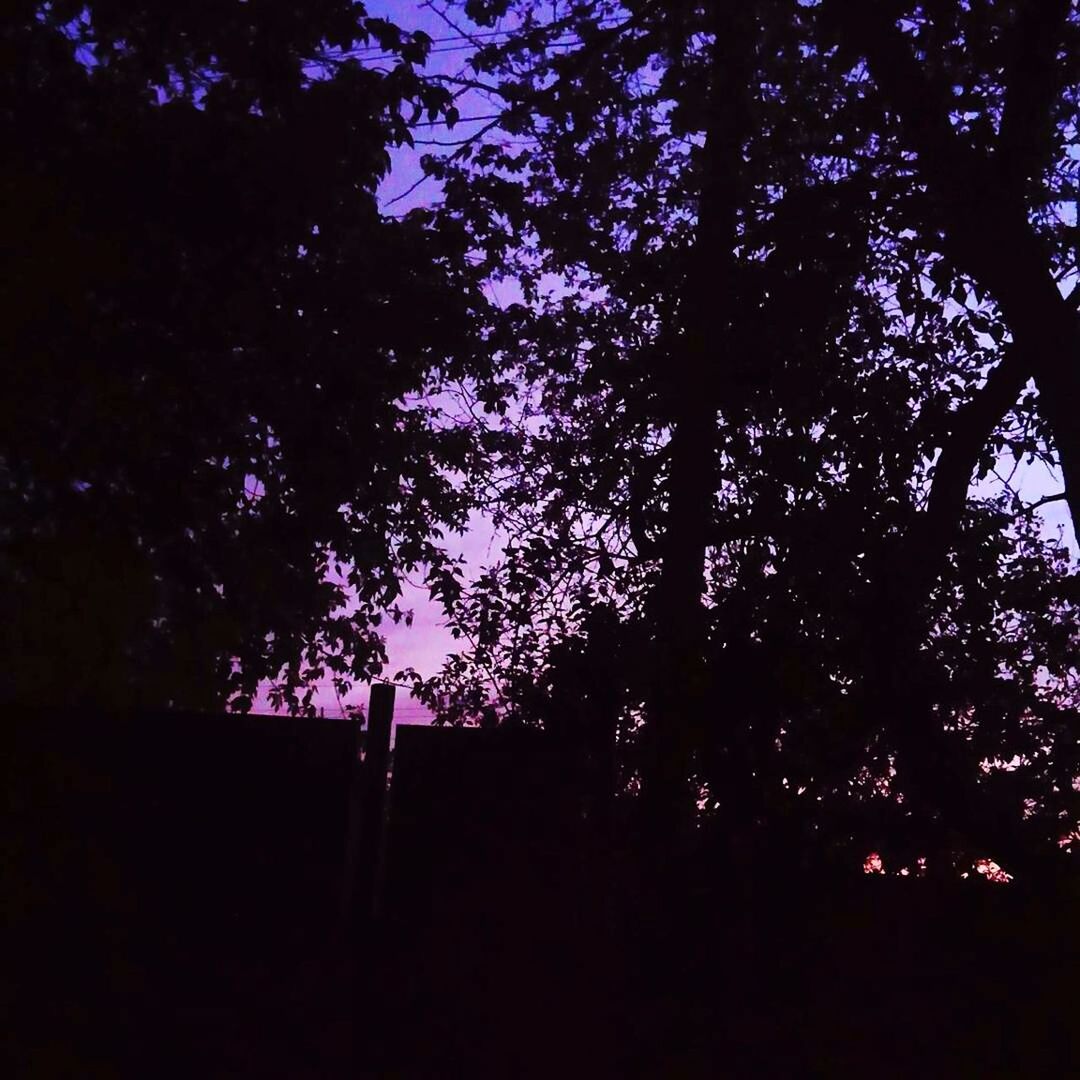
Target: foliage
(878,652)
(216,460)
(790,275)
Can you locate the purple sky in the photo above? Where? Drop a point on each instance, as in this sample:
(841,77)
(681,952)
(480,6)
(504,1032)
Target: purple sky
(426,643)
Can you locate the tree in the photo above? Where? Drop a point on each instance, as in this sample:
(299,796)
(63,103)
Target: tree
(992,124)
(215,452)
(983,95)
(760,385)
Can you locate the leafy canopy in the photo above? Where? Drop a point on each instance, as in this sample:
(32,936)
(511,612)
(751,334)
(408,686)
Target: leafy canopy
(215,455)
(886,655)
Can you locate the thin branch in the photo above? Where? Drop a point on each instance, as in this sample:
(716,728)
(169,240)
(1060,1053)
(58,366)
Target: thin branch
(459,31)
(471,84)
(1060,496)
(408,191)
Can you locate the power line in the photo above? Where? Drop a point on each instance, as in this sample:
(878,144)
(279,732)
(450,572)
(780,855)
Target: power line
(451,37)
(359,53)
(565,43)
(470,39)
(459,120)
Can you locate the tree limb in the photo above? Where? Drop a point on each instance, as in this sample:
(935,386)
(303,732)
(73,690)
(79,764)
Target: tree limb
(1045,501)
(1034,81)
(971,430)
(985,221)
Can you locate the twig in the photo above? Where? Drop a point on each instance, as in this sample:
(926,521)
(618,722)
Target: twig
(408,191)
(1061,496)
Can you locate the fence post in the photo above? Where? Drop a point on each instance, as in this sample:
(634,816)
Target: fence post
(366,802)
(373,795)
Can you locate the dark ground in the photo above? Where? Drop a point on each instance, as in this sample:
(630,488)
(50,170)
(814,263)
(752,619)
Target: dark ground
(873,978)
(168,919)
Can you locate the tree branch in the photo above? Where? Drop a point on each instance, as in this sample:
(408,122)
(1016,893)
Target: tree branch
(647,547)
(971,430)
(1034,80)
(985,221)
(1060,496)
(958,175)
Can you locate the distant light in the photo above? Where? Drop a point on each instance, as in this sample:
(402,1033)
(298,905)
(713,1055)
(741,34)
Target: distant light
(992,871)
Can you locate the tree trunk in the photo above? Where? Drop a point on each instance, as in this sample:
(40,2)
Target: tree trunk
(982,205)
(982,202)
(677,700)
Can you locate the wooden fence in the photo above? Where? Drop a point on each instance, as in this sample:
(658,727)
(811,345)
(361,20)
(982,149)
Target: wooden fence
(164,872)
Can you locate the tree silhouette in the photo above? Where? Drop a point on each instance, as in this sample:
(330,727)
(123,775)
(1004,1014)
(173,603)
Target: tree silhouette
(748,419)
(215,454)
(989,123)
(785,272)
